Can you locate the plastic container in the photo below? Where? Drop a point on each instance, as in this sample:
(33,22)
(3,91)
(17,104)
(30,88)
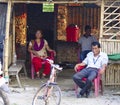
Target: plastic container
(72,33)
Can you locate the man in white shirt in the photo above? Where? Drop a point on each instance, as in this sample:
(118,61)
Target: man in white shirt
(95,62)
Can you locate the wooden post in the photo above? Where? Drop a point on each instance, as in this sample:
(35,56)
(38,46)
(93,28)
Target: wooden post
(101,33)
(14,51)
(6,47)
(101,19)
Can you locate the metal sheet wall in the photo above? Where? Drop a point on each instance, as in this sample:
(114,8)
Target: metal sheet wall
(82,16)
(3,10)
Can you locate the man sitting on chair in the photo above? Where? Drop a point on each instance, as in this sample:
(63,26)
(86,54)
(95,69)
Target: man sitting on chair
(95,62)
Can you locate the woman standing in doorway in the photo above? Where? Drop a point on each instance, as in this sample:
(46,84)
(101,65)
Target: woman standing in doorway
(39,48)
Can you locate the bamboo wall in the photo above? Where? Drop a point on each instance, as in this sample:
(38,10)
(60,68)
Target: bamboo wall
(110,46)
(112,73)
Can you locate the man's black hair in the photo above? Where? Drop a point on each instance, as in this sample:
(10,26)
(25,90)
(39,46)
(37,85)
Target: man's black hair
(87,27)
(96,44)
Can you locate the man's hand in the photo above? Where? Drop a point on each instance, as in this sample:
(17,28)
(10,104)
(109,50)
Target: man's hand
(77,66)
(50,50)
(54,52)
(35,53)
(103,69)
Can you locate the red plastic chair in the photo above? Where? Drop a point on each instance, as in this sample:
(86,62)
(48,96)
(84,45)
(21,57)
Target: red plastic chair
(97,84)
(51,56)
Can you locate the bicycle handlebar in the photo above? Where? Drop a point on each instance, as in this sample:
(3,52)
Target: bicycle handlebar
(57,67)
(50,61)
(54,65)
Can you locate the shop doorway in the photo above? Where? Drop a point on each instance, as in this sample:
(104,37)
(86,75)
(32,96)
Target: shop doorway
(37,19)
(28,19)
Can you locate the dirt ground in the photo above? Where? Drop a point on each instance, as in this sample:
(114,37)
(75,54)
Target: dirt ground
(24,96)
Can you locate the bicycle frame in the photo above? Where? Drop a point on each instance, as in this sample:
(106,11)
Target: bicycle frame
(51,81)
(53,72)
(49,89)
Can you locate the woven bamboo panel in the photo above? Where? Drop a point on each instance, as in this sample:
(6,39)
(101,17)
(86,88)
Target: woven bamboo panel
(66,51)
(112,75)
(110,46)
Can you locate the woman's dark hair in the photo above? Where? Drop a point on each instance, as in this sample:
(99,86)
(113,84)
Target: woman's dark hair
(39,31)
(96,44)
(87,27)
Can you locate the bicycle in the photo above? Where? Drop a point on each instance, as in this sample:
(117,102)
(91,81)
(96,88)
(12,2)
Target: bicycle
(49,93)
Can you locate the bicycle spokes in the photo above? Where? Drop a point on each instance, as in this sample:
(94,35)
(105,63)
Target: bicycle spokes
(48,96)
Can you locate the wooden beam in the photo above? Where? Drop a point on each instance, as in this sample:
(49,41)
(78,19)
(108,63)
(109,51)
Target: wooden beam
(6,47)
(3,1)
(55,2)
(110,40)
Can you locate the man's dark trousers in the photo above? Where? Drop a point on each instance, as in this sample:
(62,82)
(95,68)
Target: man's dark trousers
(90,74)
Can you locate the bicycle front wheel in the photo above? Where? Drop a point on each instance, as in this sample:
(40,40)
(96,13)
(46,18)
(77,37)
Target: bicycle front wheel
(3,98)
(42,97)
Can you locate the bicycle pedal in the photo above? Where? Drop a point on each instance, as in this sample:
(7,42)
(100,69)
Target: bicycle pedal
(41,97)
(53,83)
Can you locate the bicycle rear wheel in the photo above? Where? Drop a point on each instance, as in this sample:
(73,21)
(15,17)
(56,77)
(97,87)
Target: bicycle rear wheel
(3,98)
(41,97)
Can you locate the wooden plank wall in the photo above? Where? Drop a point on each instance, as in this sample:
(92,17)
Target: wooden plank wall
(82,16)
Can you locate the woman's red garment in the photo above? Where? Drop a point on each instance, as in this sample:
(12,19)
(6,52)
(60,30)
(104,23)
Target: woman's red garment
(38,62)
